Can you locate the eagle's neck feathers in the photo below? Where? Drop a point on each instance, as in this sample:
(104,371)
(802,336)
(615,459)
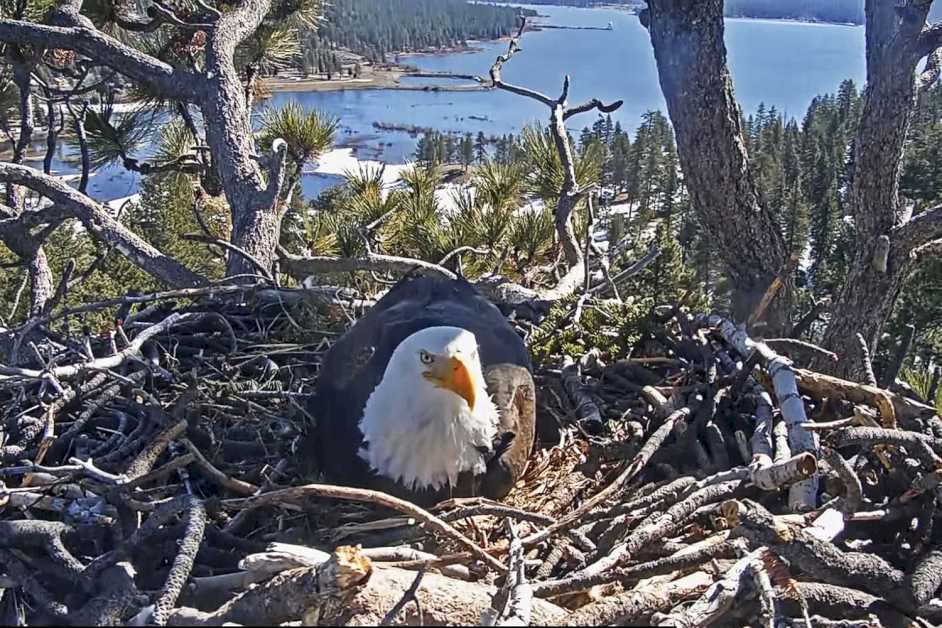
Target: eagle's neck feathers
(425,438)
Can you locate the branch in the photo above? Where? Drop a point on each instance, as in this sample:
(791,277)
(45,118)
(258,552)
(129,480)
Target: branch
(207,239)
(929,74)
(930,249)
(276,177)
(102,226)
(496,81)
(595,103)
(303,267)
(159,15)
(629,272)
(930,39)
(919,230)
(802,495)
(159,76)
(101,364)
(301,493)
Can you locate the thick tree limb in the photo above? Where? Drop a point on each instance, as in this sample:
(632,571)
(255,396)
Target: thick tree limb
(159,76)
(632,607)
(102,226)
(689,48)
(822,386)
(716,601)
(823,560)
(302,267)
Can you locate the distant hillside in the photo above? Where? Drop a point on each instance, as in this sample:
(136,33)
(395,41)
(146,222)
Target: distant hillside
(848,11)
(375,28)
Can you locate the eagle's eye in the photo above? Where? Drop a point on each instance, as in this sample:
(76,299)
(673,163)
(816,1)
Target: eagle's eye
(425,356)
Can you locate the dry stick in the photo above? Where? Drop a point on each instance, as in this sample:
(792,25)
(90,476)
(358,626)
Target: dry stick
(517,596)
(485,507)
(918,445)
(684,560)
(233,484)
(785,473)
(299,493)
(633,607)
(101,364)
(793,344)
(586,409)
(761,442)
(926,577)
(773,289)
(762,582)
(809,319)
(183,562)
(716,601)
(822,559)
(848,602)
(823,386)
(866,361)
(569,194)
(145,460)
(612,490)
(663,526)
(802,495)
(289,595)
(408,596)
(853,490)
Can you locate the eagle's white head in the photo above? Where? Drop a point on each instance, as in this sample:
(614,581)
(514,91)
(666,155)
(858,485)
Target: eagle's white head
(429,417)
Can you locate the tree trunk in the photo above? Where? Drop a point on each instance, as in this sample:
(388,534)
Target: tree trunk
(21,241)
(687,36)
(894,47)
(256,212)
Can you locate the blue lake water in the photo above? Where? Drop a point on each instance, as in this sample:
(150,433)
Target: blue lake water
(784,64)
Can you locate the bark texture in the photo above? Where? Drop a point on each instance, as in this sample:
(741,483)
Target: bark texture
(687,36)
(897,39)
(252,188)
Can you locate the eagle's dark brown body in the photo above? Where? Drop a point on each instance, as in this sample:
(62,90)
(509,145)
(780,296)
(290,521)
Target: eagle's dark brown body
(355,365)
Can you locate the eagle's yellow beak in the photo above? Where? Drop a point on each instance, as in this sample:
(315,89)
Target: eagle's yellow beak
(452,373)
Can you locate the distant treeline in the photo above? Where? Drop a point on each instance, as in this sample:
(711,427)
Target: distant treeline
(376,28)
(849,11)
(814,10)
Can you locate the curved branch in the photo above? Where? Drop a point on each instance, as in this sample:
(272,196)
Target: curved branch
(595,103)
(919,230)
(110,362)
(136,65)
(302,267)
(930,39)
(102,226)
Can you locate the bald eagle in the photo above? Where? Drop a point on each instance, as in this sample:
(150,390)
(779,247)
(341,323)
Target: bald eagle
(428,396)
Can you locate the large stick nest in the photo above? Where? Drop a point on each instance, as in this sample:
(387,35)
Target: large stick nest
(156,472)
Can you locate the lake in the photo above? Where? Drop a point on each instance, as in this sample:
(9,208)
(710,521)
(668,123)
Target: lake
(783,64)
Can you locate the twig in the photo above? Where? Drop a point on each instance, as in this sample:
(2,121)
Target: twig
(871,379)
(300,493)
(101,364)
(408,596)
(612,490)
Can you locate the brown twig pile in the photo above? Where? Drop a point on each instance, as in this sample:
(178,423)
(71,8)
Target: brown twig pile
(156,473)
